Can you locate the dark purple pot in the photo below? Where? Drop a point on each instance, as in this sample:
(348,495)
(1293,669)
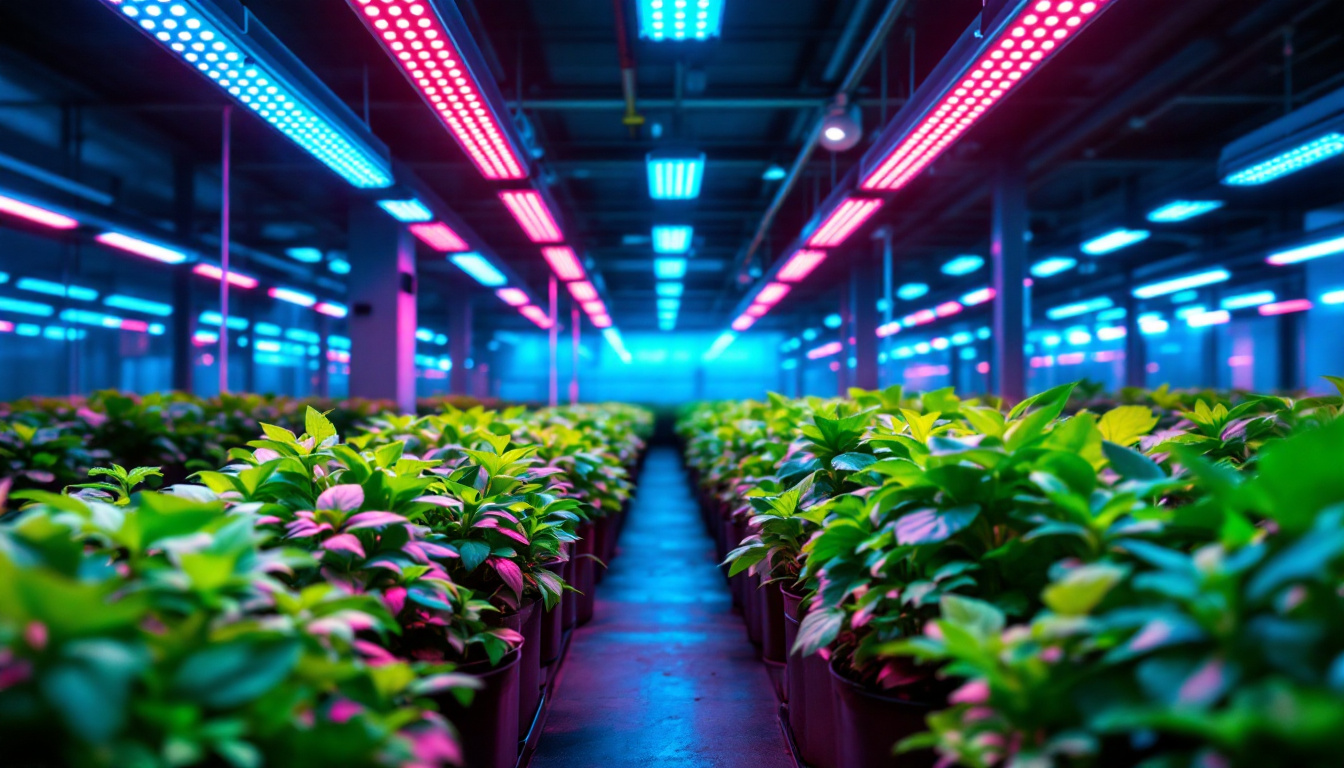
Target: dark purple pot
(753,599)
(570,607)
(773,647)
(526,621)
(601,533)
(811,710)
(488,727)
(585,573)
(552,623)
(793,677)
(870,723)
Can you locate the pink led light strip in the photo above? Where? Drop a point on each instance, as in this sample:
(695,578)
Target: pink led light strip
(563,262)
(413,34)
(842,222)
(800,265)
(1038,31)
(440,237)
(532,215)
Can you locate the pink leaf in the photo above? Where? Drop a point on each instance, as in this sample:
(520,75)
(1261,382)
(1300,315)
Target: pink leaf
(515,535)
(345,542)
(509,572)
(440,501)
(373,520)
(264,455)
(342,710)
(345,498)
(395,599)
(373,653)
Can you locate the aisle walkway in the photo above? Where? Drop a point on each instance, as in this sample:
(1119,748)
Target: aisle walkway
(663,676)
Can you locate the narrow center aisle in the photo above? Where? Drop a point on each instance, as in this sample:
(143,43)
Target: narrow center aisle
(664,674)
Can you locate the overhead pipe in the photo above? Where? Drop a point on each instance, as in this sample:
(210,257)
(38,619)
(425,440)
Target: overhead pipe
(871,48)
(632,120)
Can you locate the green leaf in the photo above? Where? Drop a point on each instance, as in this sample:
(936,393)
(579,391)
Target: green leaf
(279,434)
(1301,475)
(853,462)
(231,674)
(1081,589)
(473,553)
(1338,382)
(318,427)
(930,526)
(1130,464)
(90,687)
(1051,400)
(1126,424)
(975,616)
(818,629)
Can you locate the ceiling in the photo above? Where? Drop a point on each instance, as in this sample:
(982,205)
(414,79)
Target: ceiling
(1135,111)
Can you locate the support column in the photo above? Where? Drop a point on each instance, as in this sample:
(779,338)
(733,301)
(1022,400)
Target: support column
(865,291)
(184,310)
(1008,252)
(575,322)
(382,318)
(1291,346)
(459,346)
(1136,357)
(842,375)
(322,381)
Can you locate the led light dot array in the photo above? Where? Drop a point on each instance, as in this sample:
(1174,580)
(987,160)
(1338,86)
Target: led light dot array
(1038,32)
(532,215)
(842,222)
(800,265)
(440,237)
(414,35)
(1292,161)
(681,19)
(184,31)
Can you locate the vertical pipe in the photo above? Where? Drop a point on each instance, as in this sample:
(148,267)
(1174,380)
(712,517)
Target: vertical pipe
(184,316)
(225,174)
(1008,251)
(554,388)
(574,320)
(1136,361)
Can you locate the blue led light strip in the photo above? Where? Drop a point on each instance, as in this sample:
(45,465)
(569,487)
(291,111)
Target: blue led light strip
(1292,161)
(661,20)
(200,36)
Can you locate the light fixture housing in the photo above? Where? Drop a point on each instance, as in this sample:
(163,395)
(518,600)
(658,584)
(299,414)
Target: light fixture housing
(963,265)
(529,208)
(675,175)
(1183,210)
(670,289)
(480,269)
(680,20)
(236,279)
(564,262)
(773,293)
(1114,240)
(841,128)
(514,297)
(440,237)
(987,63)
(1184,283)
(668,268)
(432,45)
(842,221)
(800,265)
(582,291)
(672,239)
(743,323)
(1307,136)
(36,215)
(230,47)
(537,315)
(140,247)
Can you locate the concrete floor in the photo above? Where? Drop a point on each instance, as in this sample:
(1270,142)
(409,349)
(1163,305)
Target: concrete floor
(664,675)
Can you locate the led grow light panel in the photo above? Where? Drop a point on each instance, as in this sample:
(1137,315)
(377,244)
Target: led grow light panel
(669,268)
(292,296)
(50,288)
(675,177)
(1293,160)
(209,41)
(480,269)
(22,210)
(532,214)
(680,20)
(1114,240)
(1054,265)
(672,239)
(215,273)
(414,34)
(1183,210)
(841,223)
(1178,284)
(1024,41)
(406,211)
(141,247)
(800,265)
(332,309)
(564,262)
(1307,252)
(133,304)
(537,315)
(440,237)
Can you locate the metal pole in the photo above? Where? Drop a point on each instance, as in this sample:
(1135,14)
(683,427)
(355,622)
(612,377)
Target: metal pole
(1009,254)
(226,172)
(554,389)
(1136,363)
(574,320)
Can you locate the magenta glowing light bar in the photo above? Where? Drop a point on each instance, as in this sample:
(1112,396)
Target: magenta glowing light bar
(215,273)
(537,315)
(773,293)
(922,317)
(22,210)
(595,307)
(415,34)
(758,310)
(841,223)
(514,297)
(292,296)
(528,207)
(800,265)
(141,247)
(600,321)
(1022,41)
(743,322)
(564,263)
(889,329)
(332,309)
(1285,307)
(583,291)
(440,237)
(947,309)
(978,297)
(825,350)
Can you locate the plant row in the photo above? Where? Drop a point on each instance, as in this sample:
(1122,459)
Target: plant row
(316,601)
(50,443)
(949,580)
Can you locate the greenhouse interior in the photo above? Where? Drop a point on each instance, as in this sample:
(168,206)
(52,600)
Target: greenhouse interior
(672,383)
